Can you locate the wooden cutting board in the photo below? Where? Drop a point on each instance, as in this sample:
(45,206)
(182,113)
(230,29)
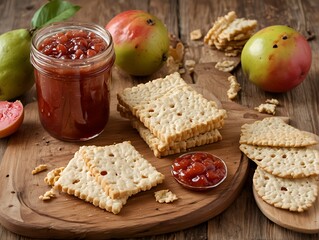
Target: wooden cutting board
(305,222)
(22,212)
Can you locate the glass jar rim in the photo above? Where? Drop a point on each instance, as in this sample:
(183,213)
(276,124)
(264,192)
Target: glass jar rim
(56,27)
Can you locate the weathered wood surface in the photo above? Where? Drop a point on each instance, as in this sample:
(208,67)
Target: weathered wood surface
(22,212)
(243,219)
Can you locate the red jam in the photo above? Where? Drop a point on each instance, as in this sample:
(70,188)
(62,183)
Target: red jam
(73,44)
(72,74)
(199,170)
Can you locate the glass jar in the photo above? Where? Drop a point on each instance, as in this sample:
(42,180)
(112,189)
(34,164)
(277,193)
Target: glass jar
(73,94)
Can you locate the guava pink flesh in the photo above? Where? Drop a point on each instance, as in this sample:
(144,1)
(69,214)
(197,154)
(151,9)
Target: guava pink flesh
(9,112)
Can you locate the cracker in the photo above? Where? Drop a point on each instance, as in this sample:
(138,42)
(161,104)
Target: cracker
(124,112)
(196,34)
(53,176)
(268,108)
(39,168)
(190,65)
(230,34)
(180,115)
(144,93)
(120,169)
(219,25)
(177,52)
(236,27)
(165,196)
(292,194)
(284,162)
(234,87)
(171,65)
(48,195)
(243,35)
(272,101)
(226,65)
(232,53)
(273,131)
(161,148)
(77,180)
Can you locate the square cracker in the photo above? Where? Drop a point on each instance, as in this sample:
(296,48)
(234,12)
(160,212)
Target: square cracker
(274,132)
(76,179)
(120,169)
(146,92)
(284,162)
(293,194)
(180,115)
(239,25)
(219,25)
(161,148)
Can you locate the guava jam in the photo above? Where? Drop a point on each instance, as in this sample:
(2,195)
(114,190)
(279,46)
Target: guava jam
(72,65)
(199,170)
(73,44)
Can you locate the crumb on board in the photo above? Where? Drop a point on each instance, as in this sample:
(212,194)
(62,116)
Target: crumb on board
(165,196)
(234,87)
(196,34)
(48,195)
(40,168)
(267,108)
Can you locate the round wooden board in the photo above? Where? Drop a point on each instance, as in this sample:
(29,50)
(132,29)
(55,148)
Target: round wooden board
(22,212)
(304,222)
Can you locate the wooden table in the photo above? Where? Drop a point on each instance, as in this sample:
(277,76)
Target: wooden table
(243,219)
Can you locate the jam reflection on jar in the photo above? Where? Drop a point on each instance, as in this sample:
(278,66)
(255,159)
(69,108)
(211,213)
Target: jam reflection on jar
(73,72)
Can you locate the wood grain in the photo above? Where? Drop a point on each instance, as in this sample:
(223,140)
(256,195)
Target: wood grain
(305,222)
(23,213)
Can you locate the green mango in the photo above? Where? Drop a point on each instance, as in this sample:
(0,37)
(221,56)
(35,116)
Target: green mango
(16,71)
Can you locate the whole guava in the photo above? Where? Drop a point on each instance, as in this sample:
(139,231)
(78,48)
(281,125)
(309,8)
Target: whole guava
(16,71)
(276,58)
(141,42)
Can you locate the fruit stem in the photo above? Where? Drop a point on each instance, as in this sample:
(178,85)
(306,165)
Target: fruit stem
(31,31)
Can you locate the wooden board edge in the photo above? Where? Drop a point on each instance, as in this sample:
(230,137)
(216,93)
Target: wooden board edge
(262,205)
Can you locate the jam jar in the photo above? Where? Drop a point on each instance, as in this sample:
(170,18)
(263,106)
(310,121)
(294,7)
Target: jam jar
(72,66)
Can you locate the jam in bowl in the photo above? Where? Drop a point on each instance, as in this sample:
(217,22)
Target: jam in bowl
(199,170)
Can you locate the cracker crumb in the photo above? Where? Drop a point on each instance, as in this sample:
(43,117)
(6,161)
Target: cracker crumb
(165,196)
(48,195)
(172,66)
(196,34)
(175,59)
(40,168)
(234,87)
(182,70)
(177,53)
(53,176)
(190,65)
(268,108)
(225,66)
(272,101)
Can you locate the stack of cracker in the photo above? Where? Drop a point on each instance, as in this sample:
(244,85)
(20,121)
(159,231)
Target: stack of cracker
(287,163)
(229,33)
(170,115)
(106,176)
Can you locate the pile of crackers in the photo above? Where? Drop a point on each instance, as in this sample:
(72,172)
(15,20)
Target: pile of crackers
(230,33)
(287,163)
(105,176)
(170,115)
